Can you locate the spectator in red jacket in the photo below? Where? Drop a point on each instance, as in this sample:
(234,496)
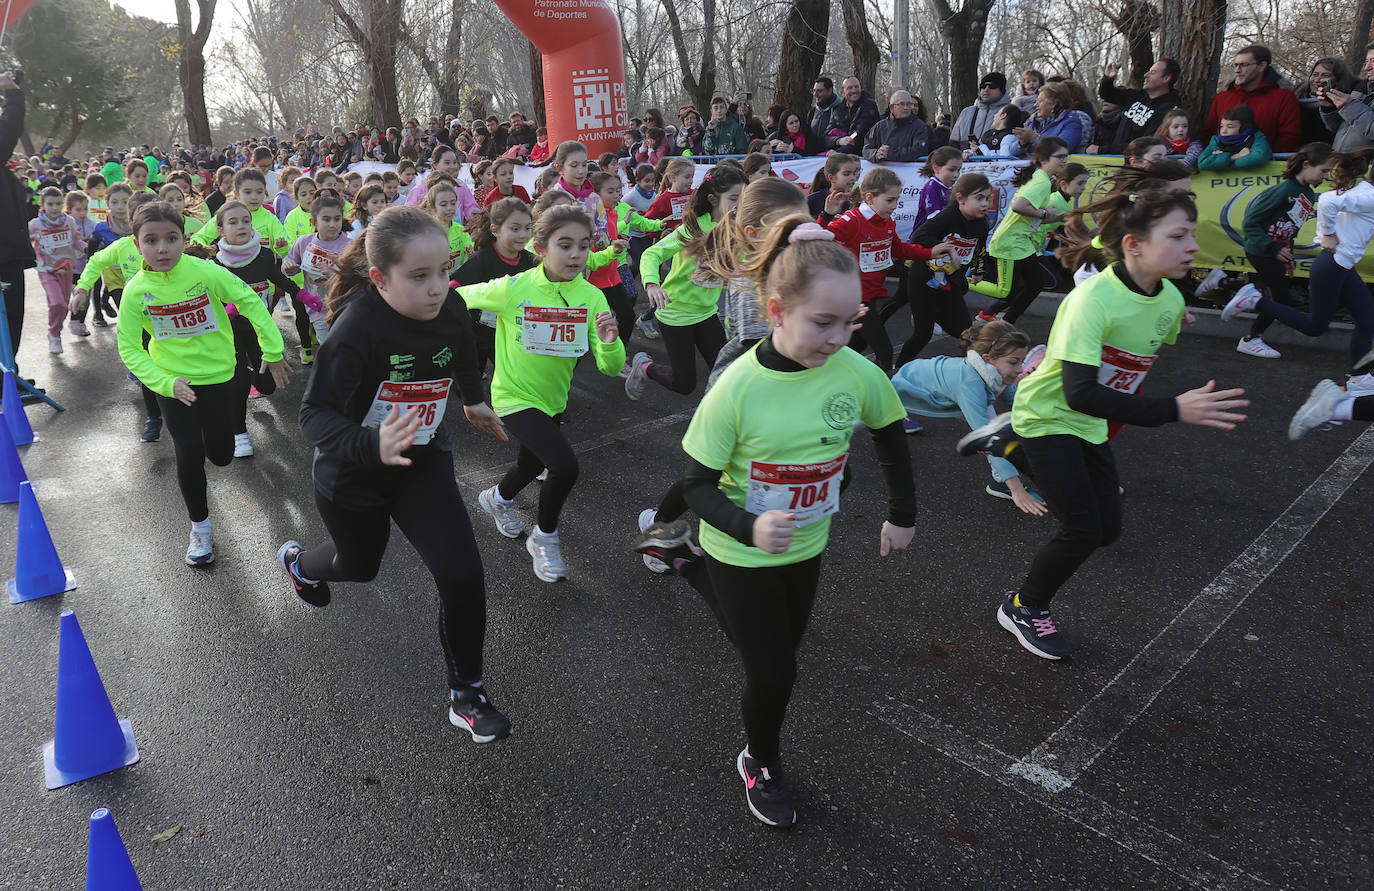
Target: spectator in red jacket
(1256,85)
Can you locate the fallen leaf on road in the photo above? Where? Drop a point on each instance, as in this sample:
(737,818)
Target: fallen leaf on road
(166,834)
(1252,637)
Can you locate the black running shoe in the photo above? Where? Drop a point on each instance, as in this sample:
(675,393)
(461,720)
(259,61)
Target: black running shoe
(765,791)
(313,593)
(668,543)
(1364,365)
(994,438)
(1033,628)
(470,709)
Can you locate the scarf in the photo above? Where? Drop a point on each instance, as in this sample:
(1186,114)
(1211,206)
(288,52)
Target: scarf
(233,256)
(1236,141)
(581,191)
(992,378)
(1178,146)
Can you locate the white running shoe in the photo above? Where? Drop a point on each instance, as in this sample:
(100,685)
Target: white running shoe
(201,549)
(1255,346)
(1360,384)
(243,446)
(548,557)
(646,519)
(1365,364)
(54,344)
(1211,282)
(638,378)
(1245,301)
(508,522)
(1317,410)
(78,327)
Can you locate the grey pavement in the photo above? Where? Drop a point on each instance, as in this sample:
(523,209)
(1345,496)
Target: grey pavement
(1218,705)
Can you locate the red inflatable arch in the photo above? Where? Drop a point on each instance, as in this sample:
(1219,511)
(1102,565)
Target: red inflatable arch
(584,68)
(11,10)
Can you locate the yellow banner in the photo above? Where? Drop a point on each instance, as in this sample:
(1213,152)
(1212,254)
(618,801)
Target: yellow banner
(1222,197)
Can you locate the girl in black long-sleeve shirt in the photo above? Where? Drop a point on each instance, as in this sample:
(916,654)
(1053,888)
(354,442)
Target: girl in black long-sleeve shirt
(374,410)
(500,233)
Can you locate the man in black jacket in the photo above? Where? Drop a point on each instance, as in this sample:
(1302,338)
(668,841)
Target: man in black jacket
(16,254)
(1141,110)
(851,120)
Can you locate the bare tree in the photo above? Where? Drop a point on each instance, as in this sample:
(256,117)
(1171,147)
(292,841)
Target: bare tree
(448,72)
(861,43)
(377,39)
(537,84)
(963,31)
(1360,34)
(1137,20)
(191,67)
(803,52)
(702,85)
(1201,26)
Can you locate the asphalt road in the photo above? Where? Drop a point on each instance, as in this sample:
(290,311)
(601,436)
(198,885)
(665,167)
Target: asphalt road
(1212,730)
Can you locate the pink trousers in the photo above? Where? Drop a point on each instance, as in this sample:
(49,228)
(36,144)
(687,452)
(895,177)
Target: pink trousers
(58,287)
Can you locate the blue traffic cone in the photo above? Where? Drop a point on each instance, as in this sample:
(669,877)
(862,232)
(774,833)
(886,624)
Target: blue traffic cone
(37,570)
(88,739)
(11,468)
(13,410)
(108,867)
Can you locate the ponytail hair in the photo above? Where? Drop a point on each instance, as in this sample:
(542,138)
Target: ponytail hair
(494,216)
(380,245)
(726,249)
(939,158)
(783,268)
(719,181)
(1123,213)
(1046,147)
(994,340)
(1350,167)
(1314,153)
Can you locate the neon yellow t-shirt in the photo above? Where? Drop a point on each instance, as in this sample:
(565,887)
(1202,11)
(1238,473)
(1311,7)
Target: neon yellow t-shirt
(268,227)
(1104,323)
(1016,234)
(781,439)
(459,246)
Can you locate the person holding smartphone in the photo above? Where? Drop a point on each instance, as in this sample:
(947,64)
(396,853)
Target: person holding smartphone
(1350,114)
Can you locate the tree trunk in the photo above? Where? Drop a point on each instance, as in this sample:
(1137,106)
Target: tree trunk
(701,86)
(1360,35)
(963,32)
(537,85)
(1199,54)
(1171,28)
(803,53)
(861,45)
(377,43)
(1137,20)
(191,69)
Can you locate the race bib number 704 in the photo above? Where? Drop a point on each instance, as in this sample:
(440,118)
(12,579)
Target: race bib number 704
(808,491)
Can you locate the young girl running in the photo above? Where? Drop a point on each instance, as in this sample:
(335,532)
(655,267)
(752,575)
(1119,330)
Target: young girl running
(1345,225)
(445,160)
(685,305)
(1015,243)
(943,168)
(1272,221)
(971,385)
(963,224)
(441,202)
(547,318)
(314,260)
(107,285)
(371,201)
(832,186)
(77,206)
(607,226)
(240,250)
(297,222)
(670,205)
(503,183)
(285,200)
(190,362)
(499,235)
(1104,339)
(58,245)
(175,196)
(766,451)
(250,187)
(374,410)
(871,235)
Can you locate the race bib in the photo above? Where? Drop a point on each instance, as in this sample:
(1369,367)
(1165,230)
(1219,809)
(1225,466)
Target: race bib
(678,203)
(1301,211)
(808,491)
(963,249)
(318,263)
(1121,370)
(54,239)
(875,256)
(427,398)
(554,330)
(487,317)
(185,318)
(263,290)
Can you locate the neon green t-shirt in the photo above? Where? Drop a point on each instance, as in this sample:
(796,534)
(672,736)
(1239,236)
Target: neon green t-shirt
(114,264)
(1104,323)
(459,246)
(540,325)
(297,223)
(1042,234)
(1016,234)
(780,439)
(692,298)
(183,310)
(269,228)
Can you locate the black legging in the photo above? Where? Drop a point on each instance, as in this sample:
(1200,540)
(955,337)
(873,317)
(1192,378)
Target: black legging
(763,611)
(150,403)
(930,306)
(683,342)
(1331,285)
(542,445)
(248,373)
(303,327)
(620,302)
(428,509)
(1079,482)
(871,333)
(1275,284)
(1025,287)
(485,336)
(201,430)
(12,274)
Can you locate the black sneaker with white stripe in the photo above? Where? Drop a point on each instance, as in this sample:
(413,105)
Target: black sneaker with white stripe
(768,796)
(1033,628)
(470,709)
(994,438)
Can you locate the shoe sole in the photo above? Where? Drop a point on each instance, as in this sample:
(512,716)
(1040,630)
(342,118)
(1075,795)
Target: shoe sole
(484,502)
(1304,420)
(201,561)
(1005,496)
(248,454)
(974,435)
(551,578)
(281,561)
(458,721)
(739,766)
(1009,625)
(655,565)
(1274,354)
